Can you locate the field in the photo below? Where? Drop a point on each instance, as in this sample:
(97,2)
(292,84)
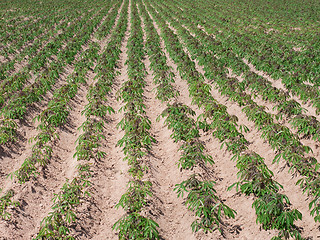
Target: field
(147,119)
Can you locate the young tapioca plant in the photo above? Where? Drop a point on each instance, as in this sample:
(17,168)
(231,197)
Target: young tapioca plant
(202,200)
(224,126)
(307,126)
(272,208)
(89,141)
(136,195)
(12,84)
(179,119)
(57,224)
(273,211)
(133,225)
(254,176)
(136,142)
(7,130)
(41,154)
(5,202)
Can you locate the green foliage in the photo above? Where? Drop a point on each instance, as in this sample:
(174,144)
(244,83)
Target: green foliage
(255,177)
(7,130)
(5,202)
(273,213)
(135,226)
(203,201)
(56,224)
(136,142)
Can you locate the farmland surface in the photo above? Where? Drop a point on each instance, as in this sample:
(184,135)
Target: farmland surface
(148,119)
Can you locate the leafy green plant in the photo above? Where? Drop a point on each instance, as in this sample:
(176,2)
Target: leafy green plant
(203,201)
(5,202)
(135,226)
(7,130)
(56,224)
(273,214)
(136,141)
(254,176)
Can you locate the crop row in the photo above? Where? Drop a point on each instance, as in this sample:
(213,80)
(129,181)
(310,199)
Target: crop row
(307,126)
(273,56)
(58,222)
(255,177)
(32,47)
(16,106)
(136,142)
(51,20)
(55,115)
(279,137)
(24,35)
(201,195)
(12,83)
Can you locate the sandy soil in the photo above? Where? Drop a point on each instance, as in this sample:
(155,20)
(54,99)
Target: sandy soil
(97,215)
